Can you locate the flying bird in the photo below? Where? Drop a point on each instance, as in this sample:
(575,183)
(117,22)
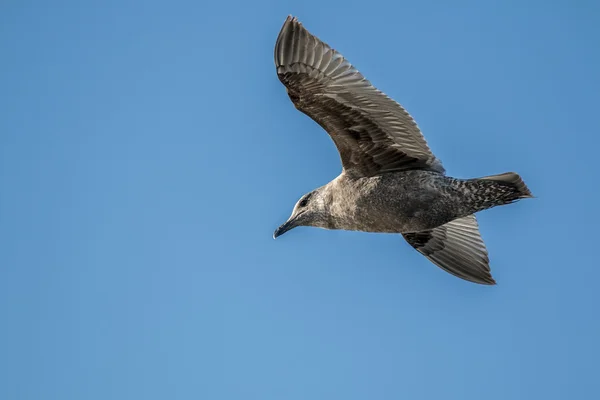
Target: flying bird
(390,182)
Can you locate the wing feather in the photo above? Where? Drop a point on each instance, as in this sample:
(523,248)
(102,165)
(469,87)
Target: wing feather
(372,132)
(457,248)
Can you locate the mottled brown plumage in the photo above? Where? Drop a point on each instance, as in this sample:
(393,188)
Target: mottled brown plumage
(391,182)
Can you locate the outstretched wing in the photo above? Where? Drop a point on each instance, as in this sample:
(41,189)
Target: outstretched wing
(457,248)
(372,132)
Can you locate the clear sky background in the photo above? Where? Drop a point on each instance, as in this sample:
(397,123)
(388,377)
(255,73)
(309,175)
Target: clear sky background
(148,151)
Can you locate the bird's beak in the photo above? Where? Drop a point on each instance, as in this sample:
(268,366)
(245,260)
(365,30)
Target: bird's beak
(288,225)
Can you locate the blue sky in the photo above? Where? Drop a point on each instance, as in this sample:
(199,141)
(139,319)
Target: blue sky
(148,151)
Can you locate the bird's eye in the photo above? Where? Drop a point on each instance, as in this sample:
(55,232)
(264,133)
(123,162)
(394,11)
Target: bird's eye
(304,201)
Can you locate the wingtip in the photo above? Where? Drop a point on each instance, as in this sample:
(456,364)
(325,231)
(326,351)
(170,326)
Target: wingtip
(490,282)
(487,279)
(285,48)
(290,19)
(480,280)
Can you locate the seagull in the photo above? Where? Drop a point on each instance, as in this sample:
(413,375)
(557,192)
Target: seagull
(390,182)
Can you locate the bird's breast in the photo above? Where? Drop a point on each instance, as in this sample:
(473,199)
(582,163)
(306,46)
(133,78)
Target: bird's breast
(396,203)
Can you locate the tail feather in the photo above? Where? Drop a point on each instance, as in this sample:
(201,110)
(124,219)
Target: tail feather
(513,180)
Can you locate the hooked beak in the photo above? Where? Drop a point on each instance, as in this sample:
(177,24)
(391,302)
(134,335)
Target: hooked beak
(288,225)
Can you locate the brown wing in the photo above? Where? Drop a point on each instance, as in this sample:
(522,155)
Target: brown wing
(372,132)
(457,248)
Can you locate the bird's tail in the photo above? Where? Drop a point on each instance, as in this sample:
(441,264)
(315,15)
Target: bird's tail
(511,181)
(496,190)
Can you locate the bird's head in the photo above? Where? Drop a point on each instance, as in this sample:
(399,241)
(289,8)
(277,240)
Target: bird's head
(310,210)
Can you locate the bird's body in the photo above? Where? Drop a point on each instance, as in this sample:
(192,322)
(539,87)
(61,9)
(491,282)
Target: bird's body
(391,181)
(408,201)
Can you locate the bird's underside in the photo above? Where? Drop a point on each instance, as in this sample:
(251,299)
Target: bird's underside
(375,136)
